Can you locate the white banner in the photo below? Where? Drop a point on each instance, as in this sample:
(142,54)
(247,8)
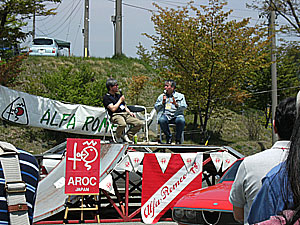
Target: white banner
(22,108)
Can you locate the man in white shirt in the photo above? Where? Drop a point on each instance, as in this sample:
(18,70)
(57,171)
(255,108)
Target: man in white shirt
(248,178)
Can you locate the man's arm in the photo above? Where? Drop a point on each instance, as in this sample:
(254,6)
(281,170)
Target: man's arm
(180,103)
(238,214)
(237,194)
(113,107)
(127,110)
(159,103)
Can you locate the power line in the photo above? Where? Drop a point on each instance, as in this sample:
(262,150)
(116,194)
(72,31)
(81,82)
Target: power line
(46,17)
(63,15)
(134,6)
(165,2)
(61,26)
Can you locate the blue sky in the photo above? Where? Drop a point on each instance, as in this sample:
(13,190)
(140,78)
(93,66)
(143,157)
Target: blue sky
(68,23)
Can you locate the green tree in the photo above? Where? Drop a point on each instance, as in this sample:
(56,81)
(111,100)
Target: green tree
(258,85)
(206,53)
(13,16)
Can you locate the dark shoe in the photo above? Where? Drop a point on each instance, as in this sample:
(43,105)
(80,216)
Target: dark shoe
(178,142)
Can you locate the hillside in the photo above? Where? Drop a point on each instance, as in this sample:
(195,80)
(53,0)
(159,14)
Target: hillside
(50,77)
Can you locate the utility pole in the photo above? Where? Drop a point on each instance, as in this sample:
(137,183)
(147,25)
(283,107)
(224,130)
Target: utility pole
(118,35)
(33,22)
(273,68)
(86,29)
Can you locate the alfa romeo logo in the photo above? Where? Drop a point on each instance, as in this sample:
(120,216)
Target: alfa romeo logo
(16,112)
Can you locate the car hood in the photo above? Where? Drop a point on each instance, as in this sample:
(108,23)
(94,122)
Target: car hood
(211,198)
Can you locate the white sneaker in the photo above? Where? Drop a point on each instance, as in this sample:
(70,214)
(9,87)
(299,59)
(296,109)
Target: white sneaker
(126,139)
(119,140)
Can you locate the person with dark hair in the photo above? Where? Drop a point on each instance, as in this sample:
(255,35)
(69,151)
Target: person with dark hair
(170,107)
(280,191)
(119,113)
(253,168)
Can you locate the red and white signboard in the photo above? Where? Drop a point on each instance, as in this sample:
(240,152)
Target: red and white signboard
(161,189)
(82,166)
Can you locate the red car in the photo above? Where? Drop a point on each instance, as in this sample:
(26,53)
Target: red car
(209,205)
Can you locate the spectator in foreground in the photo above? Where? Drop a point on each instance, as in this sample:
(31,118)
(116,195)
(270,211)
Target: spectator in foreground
(18,185)
(248,178)
(119,114)
(280,192)
(170,107)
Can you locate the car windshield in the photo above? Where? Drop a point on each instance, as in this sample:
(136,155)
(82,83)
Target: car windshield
(230,174)
(42,41)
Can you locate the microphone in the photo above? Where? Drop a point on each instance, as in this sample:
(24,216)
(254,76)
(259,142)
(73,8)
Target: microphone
(120,90)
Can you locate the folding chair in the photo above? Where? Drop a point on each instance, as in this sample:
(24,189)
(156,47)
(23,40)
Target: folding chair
(109,127)
(138,109)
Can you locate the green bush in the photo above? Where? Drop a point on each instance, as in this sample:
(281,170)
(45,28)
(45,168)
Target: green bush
(77,86)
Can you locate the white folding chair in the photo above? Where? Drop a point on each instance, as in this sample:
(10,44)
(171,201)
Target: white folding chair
(108,127)
(138,109)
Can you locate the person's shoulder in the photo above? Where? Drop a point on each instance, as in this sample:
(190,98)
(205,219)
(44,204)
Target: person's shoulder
(179,94)
(106,96)
(262,155)
(28,157)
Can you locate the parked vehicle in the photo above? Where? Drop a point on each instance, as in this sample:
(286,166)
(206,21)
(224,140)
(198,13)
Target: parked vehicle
(209,205)
(44,46)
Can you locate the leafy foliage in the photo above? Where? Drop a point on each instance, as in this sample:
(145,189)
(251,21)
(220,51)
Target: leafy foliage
(13,15)
(10,70)
(206,54)
(258,84)
(75,86)
(135,86)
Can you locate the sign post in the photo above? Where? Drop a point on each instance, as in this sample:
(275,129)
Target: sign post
(82,170)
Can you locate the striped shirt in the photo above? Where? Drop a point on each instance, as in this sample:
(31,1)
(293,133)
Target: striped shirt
(30,175)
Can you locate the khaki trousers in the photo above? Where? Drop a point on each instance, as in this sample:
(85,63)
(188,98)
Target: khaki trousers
(123,119)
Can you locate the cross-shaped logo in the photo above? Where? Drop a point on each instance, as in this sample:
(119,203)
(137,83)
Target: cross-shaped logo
(108,185)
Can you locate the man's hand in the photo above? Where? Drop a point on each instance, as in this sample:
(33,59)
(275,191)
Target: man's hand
(132,114)
(122,98)
(238,214)
(174,102)
(164,99)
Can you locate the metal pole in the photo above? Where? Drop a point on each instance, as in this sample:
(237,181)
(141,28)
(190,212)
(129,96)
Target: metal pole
(86,29)
(33,22)
(273,70)
(118,47)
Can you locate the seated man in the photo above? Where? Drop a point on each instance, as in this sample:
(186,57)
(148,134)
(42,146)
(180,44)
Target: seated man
(119,113)
(170,106)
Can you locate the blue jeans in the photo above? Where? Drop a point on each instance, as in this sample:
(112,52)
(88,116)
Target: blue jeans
(164,126)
